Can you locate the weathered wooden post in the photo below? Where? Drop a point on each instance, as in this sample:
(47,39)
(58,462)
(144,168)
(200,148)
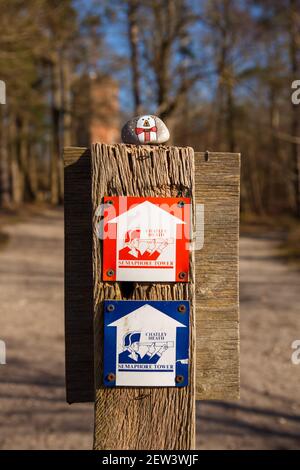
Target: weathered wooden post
(151,417)
(142,418)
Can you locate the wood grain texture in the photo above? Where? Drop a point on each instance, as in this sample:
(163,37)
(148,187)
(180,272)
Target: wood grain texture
(78,276)
(137,418)
(217,293)
(217,314)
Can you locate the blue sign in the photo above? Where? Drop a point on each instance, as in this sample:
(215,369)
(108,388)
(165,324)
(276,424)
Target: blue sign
(146,343)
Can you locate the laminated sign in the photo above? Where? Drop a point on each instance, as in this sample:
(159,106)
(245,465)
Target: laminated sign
(146,239)
(146,343)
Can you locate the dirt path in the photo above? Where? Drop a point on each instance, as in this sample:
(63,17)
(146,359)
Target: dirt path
(33,412)
(268,414)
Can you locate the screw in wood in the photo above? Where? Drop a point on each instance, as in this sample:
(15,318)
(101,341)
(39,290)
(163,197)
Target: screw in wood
(110,272)
(179,379)
(180,204)
(182,275)
(111,377)
(110,308)
(181,308)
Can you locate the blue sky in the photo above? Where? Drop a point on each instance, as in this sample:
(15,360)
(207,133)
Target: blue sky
(115,53)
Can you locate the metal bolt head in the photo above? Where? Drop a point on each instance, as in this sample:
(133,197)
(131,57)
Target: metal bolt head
(180,204)
(182,275)
(181,308)
(179,379)
(111,377)
(110,308)
(110,272)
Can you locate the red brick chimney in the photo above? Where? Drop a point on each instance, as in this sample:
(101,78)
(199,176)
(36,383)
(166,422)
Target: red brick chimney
(96,111)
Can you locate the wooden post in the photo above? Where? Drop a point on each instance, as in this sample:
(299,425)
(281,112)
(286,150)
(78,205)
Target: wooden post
(217,179)
(136,418)
(217,274)
(78,276)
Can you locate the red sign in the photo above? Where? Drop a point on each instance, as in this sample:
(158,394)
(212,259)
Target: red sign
(146,239)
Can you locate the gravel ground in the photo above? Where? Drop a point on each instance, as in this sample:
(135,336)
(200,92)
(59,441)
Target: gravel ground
(268,413)
(33,412)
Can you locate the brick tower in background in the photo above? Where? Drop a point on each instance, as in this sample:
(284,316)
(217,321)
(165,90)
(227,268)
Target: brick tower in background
(96,111)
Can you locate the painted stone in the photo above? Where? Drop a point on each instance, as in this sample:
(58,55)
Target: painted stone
(146,129)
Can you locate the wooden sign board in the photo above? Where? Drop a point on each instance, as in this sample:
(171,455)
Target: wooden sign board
(217,183)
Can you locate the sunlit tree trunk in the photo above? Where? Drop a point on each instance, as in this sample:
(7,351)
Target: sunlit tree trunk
(55,173)
(16,171)
(294,33)
(5,194)
(225,92)
(133,35)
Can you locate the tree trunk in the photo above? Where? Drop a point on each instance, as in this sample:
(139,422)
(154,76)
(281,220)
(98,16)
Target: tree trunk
(32,172)
(66,124)
(230,127)
(226,73)
(295,118)
(272,177)
(133,33)
(17,155)
(5,194)
(67,103)
(55,173)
